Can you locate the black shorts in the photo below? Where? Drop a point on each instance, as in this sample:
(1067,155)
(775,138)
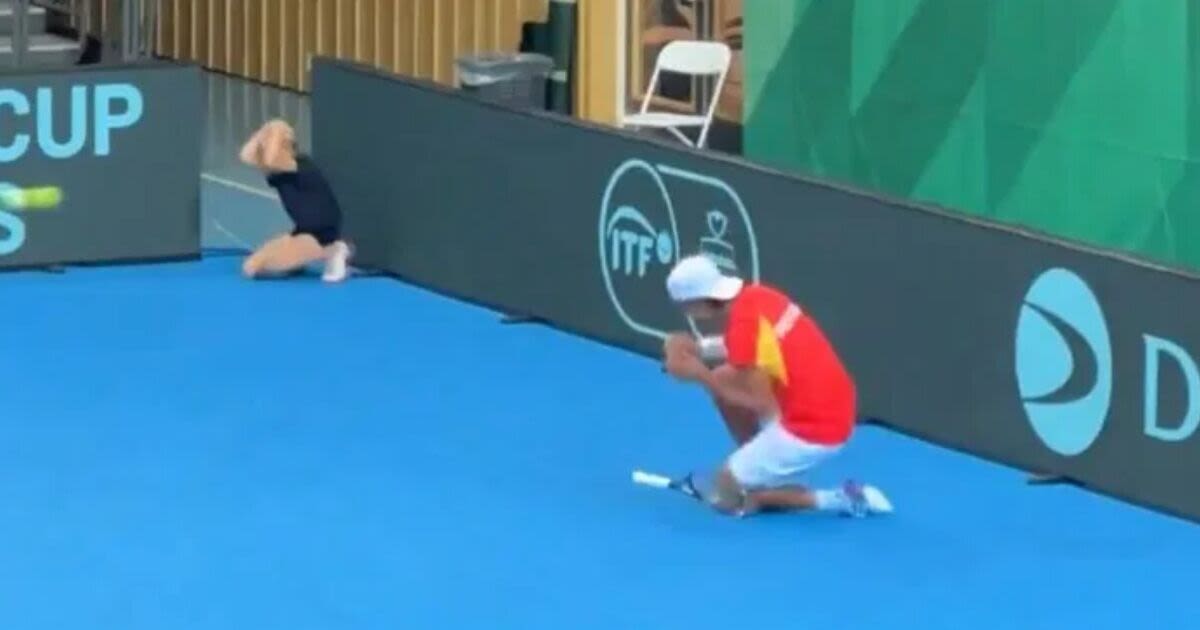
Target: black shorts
(325,236)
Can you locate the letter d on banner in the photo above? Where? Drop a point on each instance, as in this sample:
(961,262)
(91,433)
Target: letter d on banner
(1157,347)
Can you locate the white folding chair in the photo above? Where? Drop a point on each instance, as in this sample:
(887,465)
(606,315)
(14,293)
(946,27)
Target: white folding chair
(692,58)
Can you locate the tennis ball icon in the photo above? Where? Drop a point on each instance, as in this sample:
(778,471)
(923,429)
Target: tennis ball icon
(40,198)
(45,197)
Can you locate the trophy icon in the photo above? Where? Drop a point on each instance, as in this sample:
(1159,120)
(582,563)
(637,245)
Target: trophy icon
(715,246)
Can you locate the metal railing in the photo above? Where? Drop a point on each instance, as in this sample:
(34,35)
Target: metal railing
(141,27)
(79,12)
(127,29)
(20,38)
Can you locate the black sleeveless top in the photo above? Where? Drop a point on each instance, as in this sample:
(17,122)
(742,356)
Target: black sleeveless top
(307,197)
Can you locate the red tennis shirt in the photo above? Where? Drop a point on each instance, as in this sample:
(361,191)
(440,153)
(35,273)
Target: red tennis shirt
(814,392)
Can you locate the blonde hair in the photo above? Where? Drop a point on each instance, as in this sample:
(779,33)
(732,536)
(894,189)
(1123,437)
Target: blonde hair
(279,129)
(278,133)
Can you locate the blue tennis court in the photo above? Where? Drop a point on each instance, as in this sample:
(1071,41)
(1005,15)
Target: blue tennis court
(184,449)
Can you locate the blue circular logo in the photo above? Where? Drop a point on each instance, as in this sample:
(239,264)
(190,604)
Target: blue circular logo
(1064,362)
(665,248)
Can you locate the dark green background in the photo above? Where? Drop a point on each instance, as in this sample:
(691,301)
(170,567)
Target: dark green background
(1077,117)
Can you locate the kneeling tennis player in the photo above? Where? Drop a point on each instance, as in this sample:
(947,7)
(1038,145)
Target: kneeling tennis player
(308,200)
(786,398)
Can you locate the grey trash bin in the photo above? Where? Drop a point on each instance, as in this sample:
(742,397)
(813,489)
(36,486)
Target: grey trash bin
(517,80)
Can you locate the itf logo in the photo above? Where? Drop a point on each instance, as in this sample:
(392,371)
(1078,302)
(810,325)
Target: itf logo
(1064,362)
(653,215)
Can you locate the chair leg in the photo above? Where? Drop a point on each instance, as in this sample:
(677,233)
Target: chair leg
(702,139)
(682,136)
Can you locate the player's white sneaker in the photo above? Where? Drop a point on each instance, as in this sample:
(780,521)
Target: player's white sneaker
(865,500)
(337,264)
(877,501)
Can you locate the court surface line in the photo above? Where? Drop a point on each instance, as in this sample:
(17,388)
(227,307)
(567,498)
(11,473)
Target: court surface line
(246,188)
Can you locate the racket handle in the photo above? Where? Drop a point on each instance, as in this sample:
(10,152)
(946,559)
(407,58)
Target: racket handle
(647,479)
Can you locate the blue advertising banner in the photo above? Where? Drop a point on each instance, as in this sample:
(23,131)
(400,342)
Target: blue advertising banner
(1041,354)
(122,144)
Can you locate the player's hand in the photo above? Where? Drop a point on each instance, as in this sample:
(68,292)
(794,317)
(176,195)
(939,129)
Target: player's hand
(680,343)
(686,366)
(677,348)
(251,153)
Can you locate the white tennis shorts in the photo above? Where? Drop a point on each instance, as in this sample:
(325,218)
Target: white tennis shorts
(774,457)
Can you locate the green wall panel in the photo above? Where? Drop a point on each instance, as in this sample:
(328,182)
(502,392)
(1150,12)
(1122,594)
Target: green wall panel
(1076,117)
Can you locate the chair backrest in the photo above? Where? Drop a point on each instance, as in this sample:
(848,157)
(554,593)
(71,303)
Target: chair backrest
(695,57)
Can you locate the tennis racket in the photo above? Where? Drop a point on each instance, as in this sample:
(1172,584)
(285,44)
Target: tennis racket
(685,485)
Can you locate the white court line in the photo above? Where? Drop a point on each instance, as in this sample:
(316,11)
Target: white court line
(246,188)
(229,183)
(233,237)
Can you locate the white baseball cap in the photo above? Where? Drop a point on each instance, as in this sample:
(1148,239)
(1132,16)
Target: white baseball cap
(697,278)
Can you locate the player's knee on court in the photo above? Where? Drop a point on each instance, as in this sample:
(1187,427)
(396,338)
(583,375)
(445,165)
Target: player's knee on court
(250,267)
(729,496)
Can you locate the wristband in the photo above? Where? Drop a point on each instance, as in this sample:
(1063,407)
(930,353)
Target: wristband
(712,348)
